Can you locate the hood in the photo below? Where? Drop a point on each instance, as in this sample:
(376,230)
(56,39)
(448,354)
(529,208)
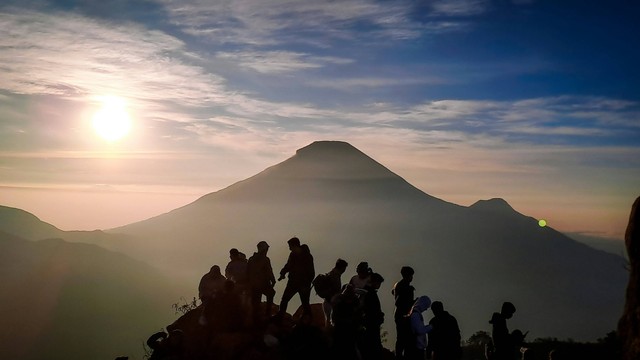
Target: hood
(422,304)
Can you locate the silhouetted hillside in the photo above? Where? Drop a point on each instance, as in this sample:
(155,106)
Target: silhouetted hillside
(26,225)
(344,204)
(62,300)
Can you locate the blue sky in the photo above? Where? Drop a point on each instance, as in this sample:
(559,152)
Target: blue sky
(533,101)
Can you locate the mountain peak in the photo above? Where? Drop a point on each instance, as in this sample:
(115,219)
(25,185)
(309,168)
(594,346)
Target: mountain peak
(327,147)
(494,204)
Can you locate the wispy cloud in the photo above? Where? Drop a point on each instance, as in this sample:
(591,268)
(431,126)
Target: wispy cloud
(275,62)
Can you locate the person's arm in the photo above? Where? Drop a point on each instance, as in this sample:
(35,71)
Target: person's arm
(272,278)
(285,269)
(418,326)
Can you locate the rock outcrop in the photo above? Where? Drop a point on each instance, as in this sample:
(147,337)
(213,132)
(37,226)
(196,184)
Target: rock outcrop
(629,326)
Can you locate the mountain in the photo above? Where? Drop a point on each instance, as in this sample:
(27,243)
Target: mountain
(26,225)
(344,204)
(64,300)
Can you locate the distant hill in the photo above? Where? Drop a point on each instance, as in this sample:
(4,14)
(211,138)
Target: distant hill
(344,204)
(26,225)
(62,300)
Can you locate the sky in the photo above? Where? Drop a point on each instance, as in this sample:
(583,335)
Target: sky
(536,102)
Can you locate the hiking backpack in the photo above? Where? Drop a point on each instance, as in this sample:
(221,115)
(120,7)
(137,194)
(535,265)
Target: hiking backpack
(322,285)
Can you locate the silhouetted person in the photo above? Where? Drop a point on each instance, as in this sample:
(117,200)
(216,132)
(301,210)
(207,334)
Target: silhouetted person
(403,293)
(225,313)
(236,269)
(334,285)
(373,317)
(261,280)
(444,338)
(211,284)
(502,344)
(301,272)
(418,328)
(362,277)
(346,318)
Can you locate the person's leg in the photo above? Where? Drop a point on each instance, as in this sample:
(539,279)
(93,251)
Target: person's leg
(305,294)
(269,292)
(326,309)
(288,293)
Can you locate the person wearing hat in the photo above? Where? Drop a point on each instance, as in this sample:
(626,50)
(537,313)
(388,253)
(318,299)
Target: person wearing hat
(261,280)
(301,272)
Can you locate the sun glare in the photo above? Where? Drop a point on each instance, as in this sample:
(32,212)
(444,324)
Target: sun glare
(112,122)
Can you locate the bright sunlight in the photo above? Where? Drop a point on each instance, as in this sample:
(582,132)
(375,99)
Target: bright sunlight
(112,122)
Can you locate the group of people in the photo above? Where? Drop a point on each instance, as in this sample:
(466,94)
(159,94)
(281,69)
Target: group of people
(352,311)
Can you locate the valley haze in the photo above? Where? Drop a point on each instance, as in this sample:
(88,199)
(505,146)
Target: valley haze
(342,203)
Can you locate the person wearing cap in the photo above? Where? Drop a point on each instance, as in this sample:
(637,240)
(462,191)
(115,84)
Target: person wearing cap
(301,272)
(261,280)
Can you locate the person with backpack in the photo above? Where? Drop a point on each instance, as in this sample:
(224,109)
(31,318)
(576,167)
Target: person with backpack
(301,272)
(328,285)
(403,293)
(261,280)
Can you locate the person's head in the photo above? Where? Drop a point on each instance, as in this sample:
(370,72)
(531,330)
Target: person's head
(341,265)
(437,307)
(215,269)
(508,309)
(294,243)
(263,247)
(234,253)
(422,304)
(376,280)
(363,269)
(407,273)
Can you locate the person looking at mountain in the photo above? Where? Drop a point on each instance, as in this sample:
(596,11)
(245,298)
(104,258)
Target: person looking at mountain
(329,285)
(373,317)
(444,338)
(261,280)
(403,293)
(236,269)
(502,343)
(211,284)
(418,328)
(301,272)
(346,318)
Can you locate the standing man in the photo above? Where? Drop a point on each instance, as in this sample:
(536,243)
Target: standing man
(444,338)
(502,349)
(261,280)
(404,299)
(333,287)
(301,272)
(373,317)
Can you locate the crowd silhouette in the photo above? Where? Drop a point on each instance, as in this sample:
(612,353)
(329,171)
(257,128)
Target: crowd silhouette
(232,321)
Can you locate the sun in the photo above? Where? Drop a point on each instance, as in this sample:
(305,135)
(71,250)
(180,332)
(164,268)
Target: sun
(112,121)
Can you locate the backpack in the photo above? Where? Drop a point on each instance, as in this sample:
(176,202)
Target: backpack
(322,285)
